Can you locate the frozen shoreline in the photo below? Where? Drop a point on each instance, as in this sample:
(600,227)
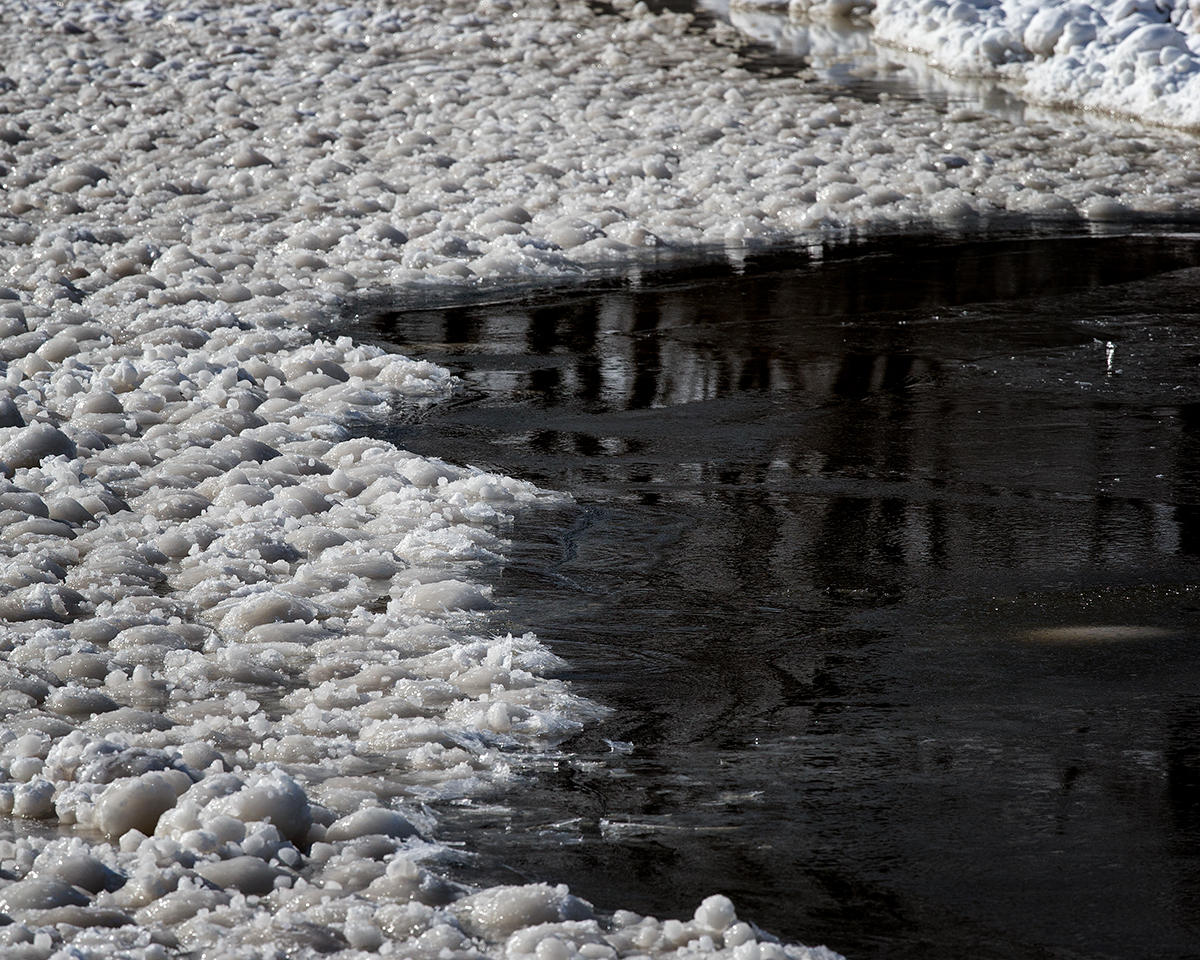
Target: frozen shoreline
(190,527)
(1130,58)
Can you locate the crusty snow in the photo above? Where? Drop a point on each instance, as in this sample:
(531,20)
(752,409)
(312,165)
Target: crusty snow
(244,647)
(1135,58)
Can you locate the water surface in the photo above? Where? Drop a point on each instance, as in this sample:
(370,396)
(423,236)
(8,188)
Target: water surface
(887,562)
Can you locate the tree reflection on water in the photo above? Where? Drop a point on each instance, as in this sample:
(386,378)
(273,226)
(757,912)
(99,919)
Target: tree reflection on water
(824,513)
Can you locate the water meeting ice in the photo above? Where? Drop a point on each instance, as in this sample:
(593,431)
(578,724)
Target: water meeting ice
(1139,58)
(246,646)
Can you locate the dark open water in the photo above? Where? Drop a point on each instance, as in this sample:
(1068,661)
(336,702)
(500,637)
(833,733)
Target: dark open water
(889,563)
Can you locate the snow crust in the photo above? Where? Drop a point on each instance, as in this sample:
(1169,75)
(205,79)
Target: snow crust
(1135,58)
(241,646)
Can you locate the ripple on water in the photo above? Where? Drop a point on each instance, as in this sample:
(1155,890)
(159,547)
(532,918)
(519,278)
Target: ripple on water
(886,563)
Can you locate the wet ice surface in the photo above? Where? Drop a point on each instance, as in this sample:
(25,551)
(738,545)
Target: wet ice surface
(888,565)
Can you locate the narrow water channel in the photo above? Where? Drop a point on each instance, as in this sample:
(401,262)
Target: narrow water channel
(889,565)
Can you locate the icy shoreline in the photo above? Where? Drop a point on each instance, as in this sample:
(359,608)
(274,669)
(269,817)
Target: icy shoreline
(241,646)
(1131,58)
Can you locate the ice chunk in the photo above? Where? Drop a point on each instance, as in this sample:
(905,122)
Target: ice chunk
(134,803)
(29,446)
(373,820)
(270,606)
(273,797)
(33,800)
(496,913)
(40,893)
(715,914)
(78,869)
(445,595)
(245,874)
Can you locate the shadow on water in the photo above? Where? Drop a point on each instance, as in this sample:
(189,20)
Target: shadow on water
(888,564)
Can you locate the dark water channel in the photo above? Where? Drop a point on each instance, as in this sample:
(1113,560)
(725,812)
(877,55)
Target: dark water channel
(889,563)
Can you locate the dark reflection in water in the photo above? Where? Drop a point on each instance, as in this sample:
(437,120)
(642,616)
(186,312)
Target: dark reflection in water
(887,563)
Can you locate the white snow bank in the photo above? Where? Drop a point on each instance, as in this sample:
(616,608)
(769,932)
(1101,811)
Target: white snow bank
(1140,58)
(1134,58)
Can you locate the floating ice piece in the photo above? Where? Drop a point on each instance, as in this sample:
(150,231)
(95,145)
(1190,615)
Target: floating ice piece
(77,868)
(374,820)
(33,800)
(30,445)
(496,913)
(134,803)
(273,797)
(245,874)
(39,893)
(444,595)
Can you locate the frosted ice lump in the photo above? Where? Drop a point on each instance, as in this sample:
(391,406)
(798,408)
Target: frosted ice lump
(243,645)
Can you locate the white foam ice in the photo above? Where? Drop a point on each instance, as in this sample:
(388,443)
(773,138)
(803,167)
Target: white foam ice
(1139,58)
(244,645)
(1133,58)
